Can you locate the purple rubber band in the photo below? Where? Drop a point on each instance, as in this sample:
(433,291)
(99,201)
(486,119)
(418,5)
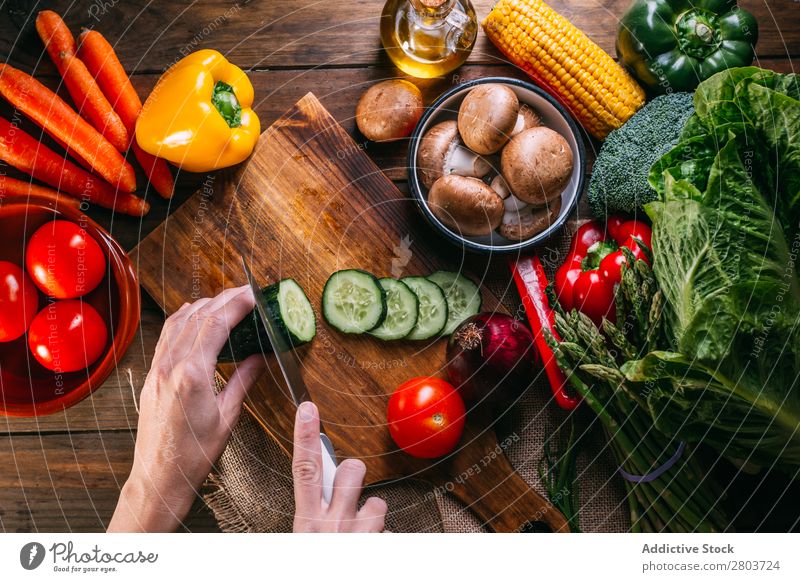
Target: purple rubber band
(658,472)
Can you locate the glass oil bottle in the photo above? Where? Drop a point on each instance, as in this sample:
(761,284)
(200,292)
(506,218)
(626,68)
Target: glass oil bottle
(428,38)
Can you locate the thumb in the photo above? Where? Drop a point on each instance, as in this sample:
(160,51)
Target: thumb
(231,398)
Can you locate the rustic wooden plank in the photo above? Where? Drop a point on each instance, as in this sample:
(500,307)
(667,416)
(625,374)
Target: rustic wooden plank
(266,34)
(69,482)
(307,33)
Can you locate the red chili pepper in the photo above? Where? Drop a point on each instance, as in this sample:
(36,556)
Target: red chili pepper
(532,285)
(594,265)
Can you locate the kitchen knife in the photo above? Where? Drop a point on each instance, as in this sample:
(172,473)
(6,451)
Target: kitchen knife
(292,377)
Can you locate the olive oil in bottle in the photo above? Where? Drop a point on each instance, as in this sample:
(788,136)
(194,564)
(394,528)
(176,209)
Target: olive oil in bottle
(428,38)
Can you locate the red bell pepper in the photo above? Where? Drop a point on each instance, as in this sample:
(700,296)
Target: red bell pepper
(532,285)
(594,265)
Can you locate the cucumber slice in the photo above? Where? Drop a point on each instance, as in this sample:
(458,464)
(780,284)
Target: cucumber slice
(432,316)
(353,301)
(403,309)
(463,298)
(295,316)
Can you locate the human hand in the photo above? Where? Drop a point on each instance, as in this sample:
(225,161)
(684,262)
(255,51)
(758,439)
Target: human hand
(183,426)
(312,514)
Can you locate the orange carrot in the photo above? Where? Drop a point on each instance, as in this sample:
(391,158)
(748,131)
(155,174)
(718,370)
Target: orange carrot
(91,102)
(14,187)
(85,92)
(101,60)
(54,34)
(156,170)
(28,155)
(59,120)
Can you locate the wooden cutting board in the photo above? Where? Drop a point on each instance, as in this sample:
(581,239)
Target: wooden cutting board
(310,202)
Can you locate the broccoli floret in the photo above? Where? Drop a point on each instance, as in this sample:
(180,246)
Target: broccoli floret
(619,178)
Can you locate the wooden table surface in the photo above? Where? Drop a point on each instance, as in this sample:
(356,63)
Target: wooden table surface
(63,472)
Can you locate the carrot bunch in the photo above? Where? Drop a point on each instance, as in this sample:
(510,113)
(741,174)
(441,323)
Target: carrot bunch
(97,135)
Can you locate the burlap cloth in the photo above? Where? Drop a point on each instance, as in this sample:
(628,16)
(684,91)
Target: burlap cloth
(252,484)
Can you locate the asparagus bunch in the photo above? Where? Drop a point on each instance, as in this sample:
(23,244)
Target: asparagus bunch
(681,499)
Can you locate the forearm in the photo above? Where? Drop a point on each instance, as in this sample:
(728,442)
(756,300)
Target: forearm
(142,508)
(183,424)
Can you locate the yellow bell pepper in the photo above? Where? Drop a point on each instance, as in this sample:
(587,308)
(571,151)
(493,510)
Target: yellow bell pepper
(199,115)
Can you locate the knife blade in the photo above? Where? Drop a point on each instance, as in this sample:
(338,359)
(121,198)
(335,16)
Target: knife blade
(292,377)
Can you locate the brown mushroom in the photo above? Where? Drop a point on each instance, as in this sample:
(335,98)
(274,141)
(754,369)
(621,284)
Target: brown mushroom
(441,153)
(465,205)
(527,118)
(537,165)
(529,221)
(389,110)
(487,117)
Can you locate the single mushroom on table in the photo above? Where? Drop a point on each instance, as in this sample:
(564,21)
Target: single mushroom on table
(490,115)
(468,206)
(537,165)
(441,153)
(389,110)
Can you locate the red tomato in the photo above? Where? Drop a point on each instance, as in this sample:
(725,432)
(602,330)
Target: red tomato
(67,336)
(594,296)
(64,261)
(19,301)
(426,417)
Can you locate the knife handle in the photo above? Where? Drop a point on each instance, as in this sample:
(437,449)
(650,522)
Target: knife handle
(328,467)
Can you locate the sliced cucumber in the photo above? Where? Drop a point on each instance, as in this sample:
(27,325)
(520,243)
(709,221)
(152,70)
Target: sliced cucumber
(353,301)
(246,339)
(293,313)
(295,316)
(402,310)
(463,297)
(432,316)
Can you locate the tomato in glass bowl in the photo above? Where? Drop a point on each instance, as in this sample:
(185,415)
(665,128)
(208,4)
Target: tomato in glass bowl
(26,387)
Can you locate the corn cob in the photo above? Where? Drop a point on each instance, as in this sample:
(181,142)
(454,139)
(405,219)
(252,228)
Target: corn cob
(536,38)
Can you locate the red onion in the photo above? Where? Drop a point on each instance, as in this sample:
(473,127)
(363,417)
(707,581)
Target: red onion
(491,356)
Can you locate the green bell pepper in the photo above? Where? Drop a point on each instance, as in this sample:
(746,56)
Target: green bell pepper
(674,45)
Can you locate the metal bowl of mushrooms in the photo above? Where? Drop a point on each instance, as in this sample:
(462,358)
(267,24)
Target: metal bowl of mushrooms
(496,165)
